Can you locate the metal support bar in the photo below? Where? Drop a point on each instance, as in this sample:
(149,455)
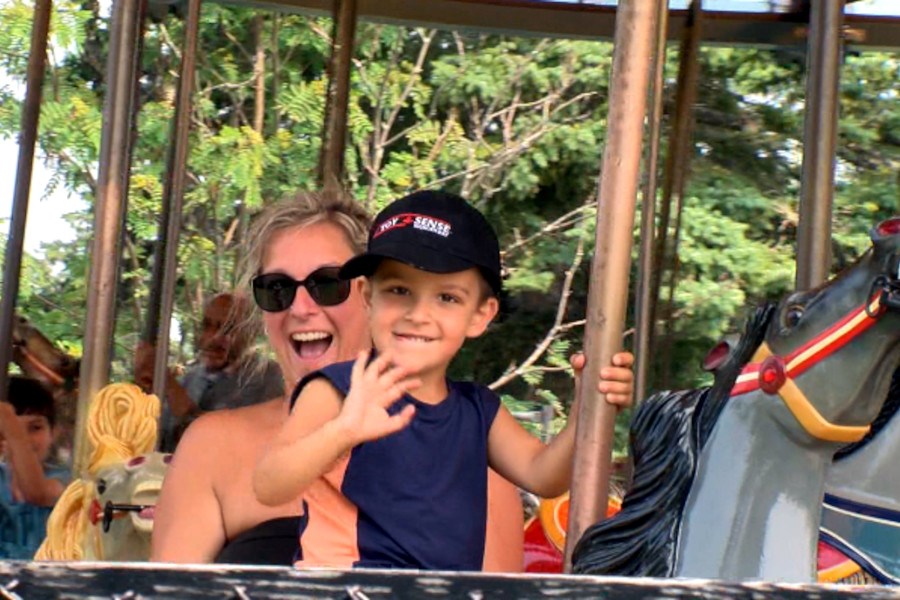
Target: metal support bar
(334,139)
(819,141)
(164,266)
(119,111)
(676,160)
(678,166)
(643,299)
(31,113)
(607,298)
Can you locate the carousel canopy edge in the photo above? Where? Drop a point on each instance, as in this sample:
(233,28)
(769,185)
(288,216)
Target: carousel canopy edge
(589,21)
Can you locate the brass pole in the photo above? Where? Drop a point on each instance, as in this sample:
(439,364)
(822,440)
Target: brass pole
(334,138)
(819,140)
(643,298)
(31,113)
(119,110)
(679,165)
(173,195)
(607,298)
(671,177)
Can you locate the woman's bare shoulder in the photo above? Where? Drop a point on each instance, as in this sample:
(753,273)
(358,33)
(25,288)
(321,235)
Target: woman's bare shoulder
(221,428)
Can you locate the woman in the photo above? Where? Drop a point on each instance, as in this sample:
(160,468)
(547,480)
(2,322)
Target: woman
(207,510)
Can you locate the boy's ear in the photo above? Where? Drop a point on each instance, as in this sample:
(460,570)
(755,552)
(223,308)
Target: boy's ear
(365,290)
(483,316)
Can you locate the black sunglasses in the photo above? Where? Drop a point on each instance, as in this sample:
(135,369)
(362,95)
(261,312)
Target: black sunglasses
(275,292)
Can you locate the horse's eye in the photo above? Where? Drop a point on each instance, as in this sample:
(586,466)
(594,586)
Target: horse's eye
(792,316)
(101,486)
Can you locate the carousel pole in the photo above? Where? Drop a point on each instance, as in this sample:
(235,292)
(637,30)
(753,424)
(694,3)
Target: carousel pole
(643,299)
(31,112)
(119,110)
(619,177)
(679,143)
(334,138)
(159,313)
(678,167)
(819,141)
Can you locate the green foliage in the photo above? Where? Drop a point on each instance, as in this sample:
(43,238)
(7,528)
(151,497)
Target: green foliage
(516,125)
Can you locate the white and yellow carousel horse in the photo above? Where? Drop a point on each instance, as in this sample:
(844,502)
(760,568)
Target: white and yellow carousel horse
(108,513)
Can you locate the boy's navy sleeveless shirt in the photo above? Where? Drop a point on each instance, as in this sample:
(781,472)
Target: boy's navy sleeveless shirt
(421,493)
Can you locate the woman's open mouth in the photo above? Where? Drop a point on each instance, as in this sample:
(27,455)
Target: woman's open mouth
(310,345)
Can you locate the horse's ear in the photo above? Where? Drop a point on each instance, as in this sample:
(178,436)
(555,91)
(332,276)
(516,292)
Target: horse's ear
(717,357)
(886,235)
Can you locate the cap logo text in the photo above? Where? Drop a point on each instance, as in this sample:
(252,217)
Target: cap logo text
(421,222)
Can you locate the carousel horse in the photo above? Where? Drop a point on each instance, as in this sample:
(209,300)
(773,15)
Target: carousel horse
(859,537)
(729,480)
(41,359)
(852,522)
(108,514)
(860,529)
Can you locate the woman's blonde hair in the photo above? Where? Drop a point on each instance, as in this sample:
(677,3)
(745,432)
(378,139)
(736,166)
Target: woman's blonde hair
(296,212)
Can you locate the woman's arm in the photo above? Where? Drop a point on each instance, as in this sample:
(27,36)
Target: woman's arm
(505,537)
(180,403)
(188,526)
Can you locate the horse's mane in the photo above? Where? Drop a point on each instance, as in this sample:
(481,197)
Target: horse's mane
(887,412)
(668,432)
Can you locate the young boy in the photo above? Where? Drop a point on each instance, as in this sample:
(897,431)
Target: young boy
(391,479)
(28,487)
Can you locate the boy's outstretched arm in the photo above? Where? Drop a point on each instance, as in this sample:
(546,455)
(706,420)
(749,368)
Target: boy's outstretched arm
(27,470)
(323,426)
(546,470)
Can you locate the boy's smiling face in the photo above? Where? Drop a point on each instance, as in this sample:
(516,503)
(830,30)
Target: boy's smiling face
(423,318)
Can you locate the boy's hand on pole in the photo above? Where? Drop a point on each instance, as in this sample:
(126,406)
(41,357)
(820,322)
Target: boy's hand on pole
(616,380)
(373,389)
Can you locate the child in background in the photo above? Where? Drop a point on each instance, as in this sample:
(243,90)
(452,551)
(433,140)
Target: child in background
(29,486)
(390,455)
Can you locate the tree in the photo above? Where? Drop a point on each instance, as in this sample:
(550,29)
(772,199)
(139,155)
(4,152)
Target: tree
(514,124)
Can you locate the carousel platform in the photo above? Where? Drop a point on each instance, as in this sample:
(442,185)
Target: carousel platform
(133,581)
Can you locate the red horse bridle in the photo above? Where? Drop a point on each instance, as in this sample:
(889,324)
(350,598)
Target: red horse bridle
(775,374)
(52,376)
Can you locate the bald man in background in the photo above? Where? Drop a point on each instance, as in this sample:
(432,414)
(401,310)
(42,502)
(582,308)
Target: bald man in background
(225,375)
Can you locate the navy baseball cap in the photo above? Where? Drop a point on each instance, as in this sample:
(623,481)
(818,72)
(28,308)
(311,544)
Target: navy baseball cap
(436,232)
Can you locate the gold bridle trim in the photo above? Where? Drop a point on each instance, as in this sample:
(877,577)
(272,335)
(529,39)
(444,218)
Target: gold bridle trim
(806,414)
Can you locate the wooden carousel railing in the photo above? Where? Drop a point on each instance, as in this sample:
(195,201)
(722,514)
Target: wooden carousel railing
(135,581)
